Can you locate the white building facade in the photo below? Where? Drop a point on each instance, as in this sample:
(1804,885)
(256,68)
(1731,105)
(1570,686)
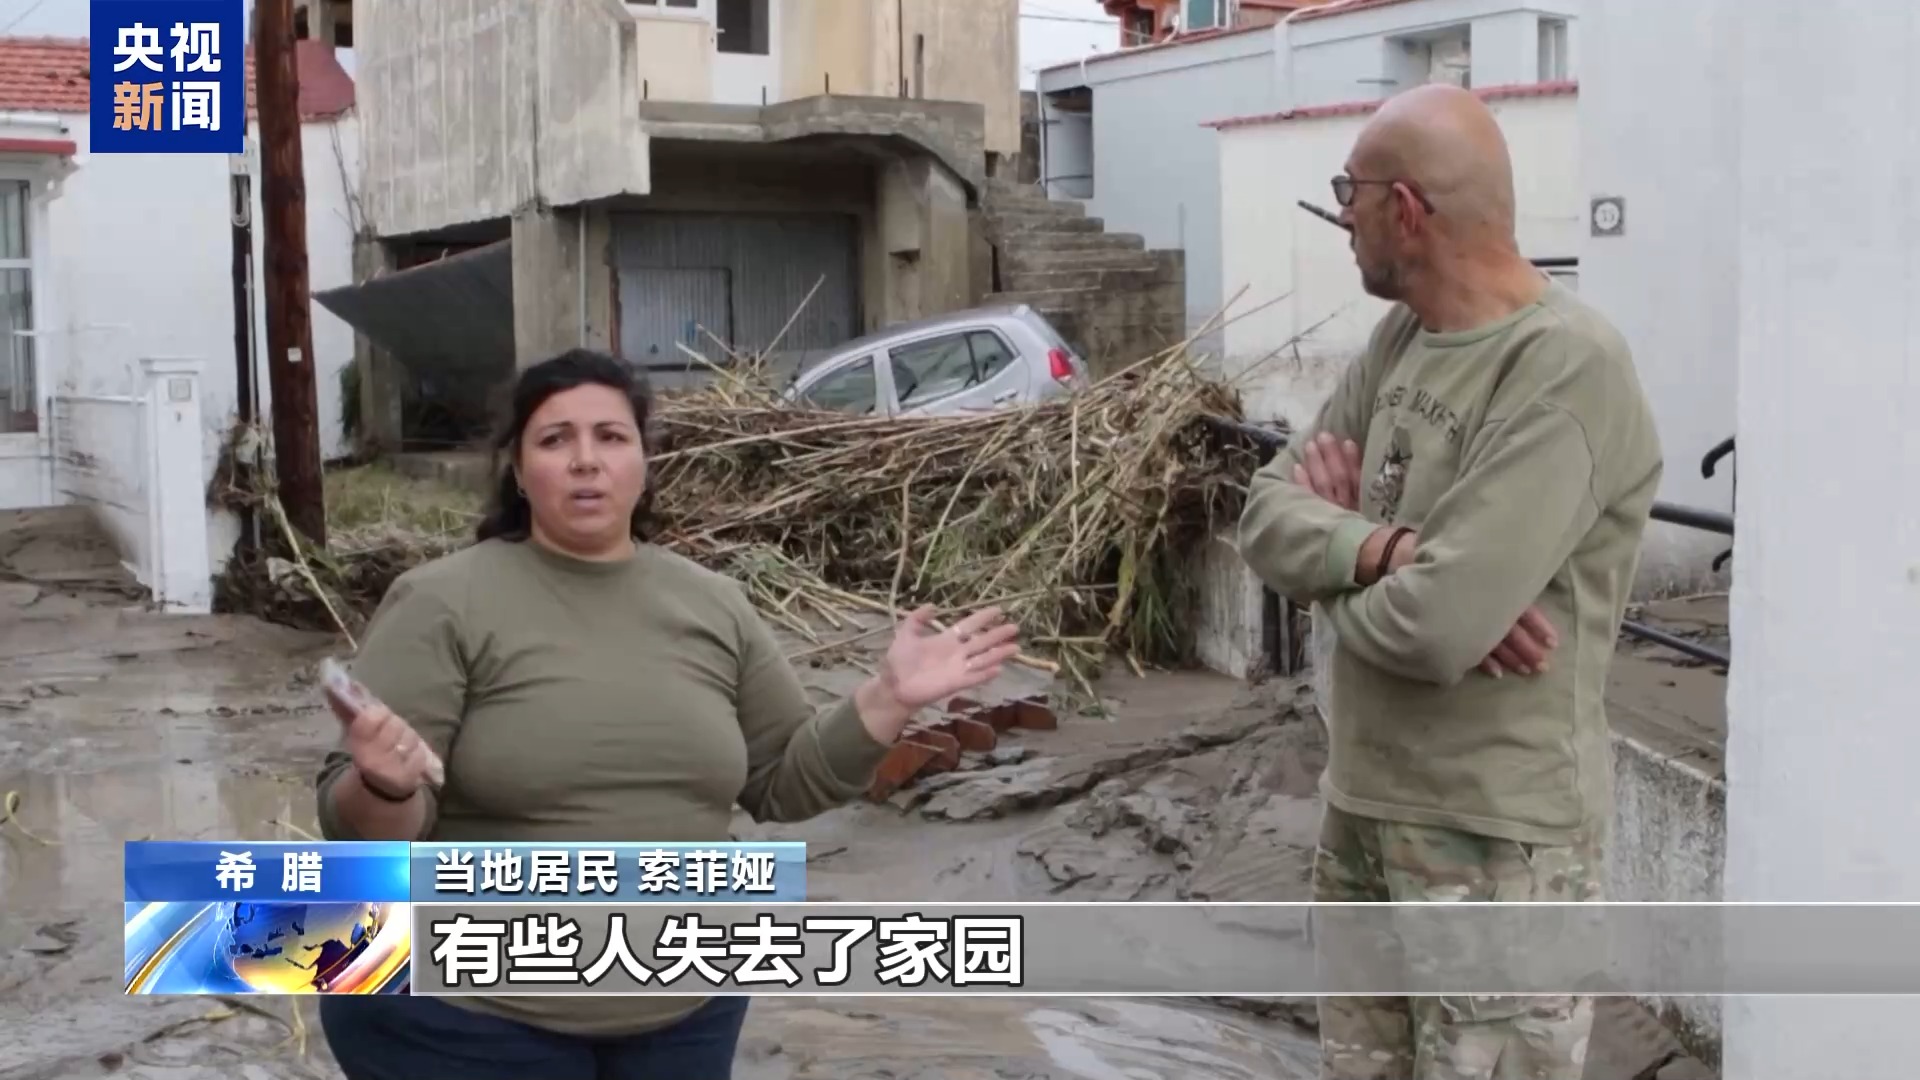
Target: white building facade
(1128,132)
(117,290)
(1786,273)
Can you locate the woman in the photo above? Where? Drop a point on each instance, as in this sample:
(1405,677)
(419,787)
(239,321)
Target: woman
(580,684)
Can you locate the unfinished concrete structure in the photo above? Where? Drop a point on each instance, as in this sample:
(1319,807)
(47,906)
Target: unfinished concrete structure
(656,178)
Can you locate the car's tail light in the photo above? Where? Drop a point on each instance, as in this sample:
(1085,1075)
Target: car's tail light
(1059,365)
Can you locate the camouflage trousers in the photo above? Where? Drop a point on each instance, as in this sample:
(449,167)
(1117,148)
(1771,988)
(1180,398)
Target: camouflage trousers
(1362,860)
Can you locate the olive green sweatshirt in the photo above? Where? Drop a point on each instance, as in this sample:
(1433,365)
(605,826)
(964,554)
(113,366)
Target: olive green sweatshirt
(636,700)
(1524,453)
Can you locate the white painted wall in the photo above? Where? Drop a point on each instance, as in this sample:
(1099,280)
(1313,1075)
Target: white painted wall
(1349,57)
(100,458)
(138,265)
(1660,128)
(1790,275)
(1304,316)
(1826,590)
(1156,171)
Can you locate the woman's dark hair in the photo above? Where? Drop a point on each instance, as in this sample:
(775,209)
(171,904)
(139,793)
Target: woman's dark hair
(509,516)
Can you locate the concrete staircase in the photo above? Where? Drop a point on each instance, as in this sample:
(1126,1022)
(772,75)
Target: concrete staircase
(1113,299)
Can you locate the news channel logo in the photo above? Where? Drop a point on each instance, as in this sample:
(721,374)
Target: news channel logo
(276,947)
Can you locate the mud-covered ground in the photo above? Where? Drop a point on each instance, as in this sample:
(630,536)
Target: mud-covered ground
(117,723)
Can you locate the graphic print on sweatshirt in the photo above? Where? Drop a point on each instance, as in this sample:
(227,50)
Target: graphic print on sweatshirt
(1390,481)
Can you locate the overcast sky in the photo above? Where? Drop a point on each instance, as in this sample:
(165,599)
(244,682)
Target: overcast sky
(1051,31)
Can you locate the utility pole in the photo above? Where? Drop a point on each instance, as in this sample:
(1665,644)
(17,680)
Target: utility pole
(283,200)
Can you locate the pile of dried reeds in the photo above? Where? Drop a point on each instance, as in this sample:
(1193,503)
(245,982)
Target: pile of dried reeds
(1080,517)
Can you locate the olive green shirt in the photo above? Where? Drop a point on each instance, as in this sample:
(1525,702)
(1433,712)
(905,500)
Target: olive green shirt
(1525,454)
(574,701)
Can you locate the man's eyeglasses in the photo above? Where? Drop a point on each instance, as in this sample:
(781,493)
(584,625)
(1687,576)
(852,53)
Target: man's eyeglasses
(1344,186)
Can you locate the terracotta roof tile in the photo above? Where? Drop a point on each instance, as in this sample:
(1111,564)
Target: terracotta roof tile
(43,74)
(50,75)
(1342,7)
(1361,108)
(1193,37)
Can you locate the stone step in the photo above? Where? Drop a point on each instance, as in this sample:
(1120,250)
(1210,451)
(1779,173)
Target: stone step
(998,188)
(1036,204)
(1024,243)
(1091,278)
(1048,302)
(1024,224)
(1032,199)
(1044,259)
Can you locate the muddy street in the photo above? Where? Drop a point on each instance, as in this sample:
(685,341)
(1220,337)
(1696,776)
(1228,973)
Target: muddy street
(118,723)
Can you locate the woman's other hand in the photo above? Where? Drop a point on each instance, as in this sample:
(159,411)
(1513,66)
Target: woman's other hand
(923,666)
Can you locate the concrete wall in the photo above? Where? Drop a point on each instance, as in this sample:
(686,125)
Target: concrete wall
(1157,167)
(474,110)
(1666,281)
(964,50)
(1669,843)
(920,242)
(122,283)
(1347,56)
(1316,317)
(829,47)
(1826,589)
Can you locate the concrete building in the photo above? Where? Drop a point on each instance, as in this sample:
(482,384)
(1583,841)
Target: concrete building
(118,280)
(1126,132)
(653,178)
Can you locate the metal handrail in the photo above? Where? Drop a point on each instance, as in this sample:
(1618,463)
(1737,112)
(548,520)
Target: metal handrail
(1693,518)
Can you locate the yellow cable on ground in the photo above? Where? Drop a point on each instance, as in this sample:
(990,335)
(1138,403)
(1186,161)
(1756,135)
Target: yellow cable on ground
(295,830)
(9,815)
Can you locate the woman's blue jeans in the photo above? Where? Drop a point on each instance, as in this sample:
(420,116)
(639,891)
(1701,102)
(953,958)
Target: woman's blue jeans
(401,1037)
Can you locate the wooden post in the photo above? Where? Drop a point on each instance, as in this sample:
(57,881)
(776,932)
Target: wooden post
(283,198)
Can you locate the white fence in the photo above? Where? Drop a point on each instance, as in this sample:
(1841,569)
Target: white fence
(136,460)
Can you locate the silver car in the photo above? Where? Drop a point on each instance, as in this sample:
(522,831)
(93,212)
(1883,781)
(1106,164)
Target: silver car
(963,361)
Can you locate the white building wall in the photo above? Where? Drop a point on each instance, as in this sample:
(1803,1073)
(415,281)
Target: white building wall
(1349,57)
(138,265)
(1660,129)
(1306,314)
(1506,49)
(1826,589)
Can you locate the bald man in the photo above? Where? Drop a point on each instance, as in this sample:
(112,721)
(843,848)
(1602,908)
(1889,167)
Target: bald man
(1466,509)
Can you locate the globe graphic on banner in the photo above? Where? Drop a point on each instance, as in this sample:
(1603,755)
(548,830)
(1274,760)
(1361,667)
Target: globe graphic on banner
(294,948)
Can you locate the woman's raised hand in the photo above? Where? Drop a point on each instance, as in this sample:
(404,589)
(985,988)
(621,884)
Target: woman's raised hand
(923,666)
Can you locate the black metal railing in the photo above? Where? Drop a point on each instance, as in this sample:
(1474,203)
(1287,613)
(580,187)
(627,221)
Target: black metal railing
(1691,517)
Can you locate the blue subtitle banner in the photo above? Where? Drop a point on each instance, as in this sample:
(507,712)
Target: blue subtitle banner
(182,871)
(608,873)
(204,872)
(167,77)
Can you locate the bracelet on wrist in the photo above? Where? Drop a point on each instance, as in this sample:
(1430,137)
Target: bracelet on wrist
(1386,553)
